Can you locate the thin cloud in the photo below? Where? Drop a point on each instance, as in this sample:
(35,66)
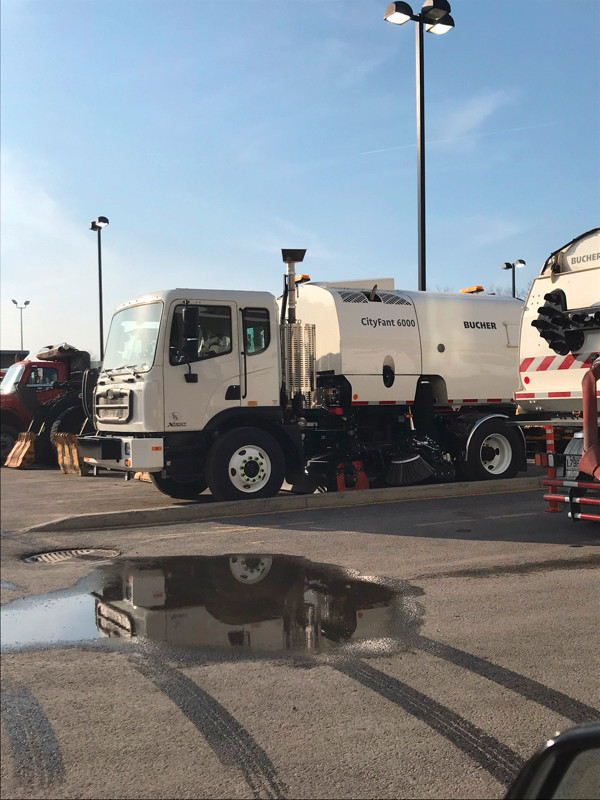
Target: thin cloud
(466,120)
(478,135)
(339,58)
(488,230)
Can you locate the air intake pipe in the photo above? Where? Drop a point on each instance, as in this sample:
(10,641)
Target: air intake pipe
(291,258)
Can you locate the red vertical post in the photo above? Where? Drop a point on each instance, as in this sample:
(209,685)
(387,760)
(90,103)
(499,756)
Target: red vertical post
(553,506)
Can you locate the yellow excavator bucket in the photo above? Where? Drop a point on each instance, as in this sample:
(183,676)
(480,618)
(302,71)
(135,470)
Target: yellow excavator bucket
(22,455)
(67,450)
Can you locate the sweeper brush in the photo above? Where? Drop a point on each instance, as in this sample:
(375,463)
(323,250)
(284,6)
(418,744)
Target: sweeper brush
(404,472)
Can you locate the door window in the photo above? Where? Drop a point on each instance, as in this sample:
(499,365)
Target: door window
(213,337)
(257,330)
(42,377)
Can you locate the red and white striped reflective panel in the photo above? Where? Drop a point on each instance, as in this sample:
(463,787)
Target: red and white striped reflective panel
(572,361)
(469,401)
(474,401)
(547,395)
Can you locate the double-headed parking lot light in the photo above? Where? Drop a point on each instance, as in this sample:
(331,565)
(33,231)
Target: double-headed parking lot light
(516,265)
(435,18)
(20,309)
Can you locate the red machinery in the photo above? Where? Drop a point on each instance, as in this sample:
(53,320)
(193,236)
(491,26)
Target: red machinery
(582,497)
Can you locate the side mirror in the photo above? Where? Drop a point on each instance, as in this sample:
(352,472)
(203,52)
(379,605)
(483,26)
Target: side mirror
(191,321)
(567,766)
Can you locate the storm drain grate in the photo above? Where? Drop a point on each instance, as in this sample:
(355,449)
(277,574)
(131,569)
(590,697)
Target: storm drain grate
(57,556)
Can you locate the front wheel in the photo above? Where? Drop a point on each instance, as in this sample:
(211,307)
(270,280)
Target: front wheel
(71,420)
(180,487)
(494,452)
(8,437)
(245,463)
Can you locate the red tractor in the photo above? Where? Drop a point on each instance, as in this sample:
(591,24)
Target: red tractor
(45,396)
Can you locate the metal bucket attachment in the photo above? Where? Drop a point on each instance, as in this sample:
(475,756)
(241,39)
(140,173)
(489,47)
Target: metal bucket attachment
(67,450)
(22,455)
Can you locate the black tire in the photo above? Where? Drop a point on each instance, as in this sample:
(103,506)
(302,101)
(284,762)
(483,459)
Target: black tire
(245,463)
(495,451)
(180,487)
(71,420)
(8,437)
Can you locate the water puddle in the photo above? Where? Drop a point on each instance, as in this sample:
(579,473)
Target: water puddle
(259,603)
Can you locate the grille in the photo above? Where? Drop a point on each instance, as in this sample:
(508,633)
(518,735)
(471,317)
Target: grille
(352,297)
(393,299)
(390,298)
(298,342)
(58,556)
(113,405)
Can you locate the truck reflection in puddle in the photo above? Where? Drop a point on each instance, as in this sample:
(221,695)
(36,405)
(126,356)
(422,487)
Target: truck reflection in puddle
(263,602)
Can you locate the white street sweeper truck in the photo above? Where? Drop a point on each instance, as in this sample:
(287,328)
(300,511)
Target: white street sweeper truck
(334,387)
(559,369)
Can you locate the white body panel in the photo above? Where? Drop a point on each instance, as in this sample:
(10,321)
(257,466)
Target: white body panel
(468,340)
(551,382)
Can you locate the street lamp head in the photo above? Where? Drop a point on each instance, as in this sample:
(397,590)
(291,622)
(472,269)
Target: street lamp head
(443,25)
(507,265)
(99,223)
(434,10)
(520,263)
(15,302)
(26,302)
(398,13)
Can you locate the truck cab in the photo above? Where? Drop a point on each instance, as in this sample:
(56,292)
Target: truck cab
(182,369)
(41,389)
(39,378)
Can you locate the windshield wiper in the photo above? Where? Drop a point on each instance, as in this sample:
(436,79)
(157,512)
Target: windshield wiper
(130,367)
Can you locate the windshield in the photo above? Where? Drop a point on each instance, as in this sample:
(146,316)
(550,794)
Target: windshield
(13,375)
(132,338)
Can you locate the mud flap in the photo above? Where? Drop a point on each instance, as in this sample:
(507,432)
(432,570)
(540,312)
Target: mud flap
(67,450)
(22,455)
(351,475)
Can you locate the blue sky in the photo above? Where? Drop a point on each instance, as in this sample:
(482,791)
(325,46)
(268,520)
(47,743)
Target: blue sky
(214,133)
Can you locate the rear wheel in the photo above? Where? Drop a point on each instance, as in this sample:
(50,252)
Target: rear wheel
(180,487)
(494,452)
(245,463)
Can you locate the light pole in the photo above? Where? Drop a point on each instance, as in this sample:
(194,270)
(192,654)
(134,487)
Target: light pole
(435,18)
(517,264)
(20,308)
(97,225)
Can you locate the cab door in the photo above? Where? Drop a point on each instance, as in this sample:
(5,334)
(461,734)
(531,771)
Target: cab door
(260,354)
(204,380)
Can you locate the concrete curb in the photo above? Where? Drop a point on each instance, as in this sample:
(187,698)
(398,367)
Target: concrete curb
(244,508)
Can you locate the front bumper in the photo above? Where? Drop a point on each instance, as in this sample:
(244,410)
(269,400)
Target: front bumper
(122,452)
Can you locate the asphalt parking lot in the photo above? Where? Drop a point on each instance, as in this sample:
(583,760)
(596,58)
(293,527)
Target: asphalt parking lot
(488,649)
(54,500)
